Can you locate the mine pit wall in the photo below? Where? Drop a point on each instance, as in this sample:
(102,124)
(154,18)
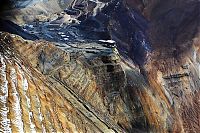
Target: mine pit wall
(176,81)
(164,106)
(172,69)
(103,84)
(170,103)
(60,66)
(30,102)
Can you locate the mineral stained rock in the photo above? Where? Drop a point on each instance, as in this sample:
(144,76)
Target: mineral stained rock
(74,78)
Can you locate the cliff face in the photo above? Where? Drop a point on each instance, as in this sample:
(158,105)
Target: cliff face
(32,103)
(77,82)
(39,79)
(173,68)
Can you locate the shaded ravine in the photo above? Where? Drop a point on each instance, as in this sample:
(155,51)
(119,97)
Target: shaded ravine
(9,26)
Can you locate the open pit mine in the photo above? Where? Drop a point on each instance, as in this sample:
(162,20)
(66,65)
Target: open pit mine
(100,66)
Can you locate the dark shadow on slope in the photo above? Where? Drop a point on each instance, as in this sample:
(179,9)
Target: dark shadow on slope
(8,26)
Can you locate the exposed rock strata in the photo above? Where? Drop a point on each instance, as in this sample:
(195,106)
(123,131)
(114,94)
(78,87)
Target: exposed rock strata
(30,102)
(151,85)
(81,82)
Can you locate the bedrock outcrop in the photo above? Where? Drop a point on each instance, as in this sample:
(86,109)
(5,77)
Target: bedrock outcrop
(61,91)
(74,79)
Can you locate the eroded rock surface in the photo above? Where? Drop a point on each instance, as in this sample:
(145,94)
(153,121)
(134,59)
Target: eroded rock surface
(147,82)
(82,81)
(30,102)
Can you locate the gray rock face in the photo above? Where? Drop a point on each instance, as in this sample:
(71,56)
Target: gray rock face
(25,3)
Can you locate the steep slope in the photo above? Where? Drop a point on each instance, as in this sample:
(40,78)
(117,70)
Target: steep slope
(150,85)
(164,43)
(174,64)
(31,102)
(90,80)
